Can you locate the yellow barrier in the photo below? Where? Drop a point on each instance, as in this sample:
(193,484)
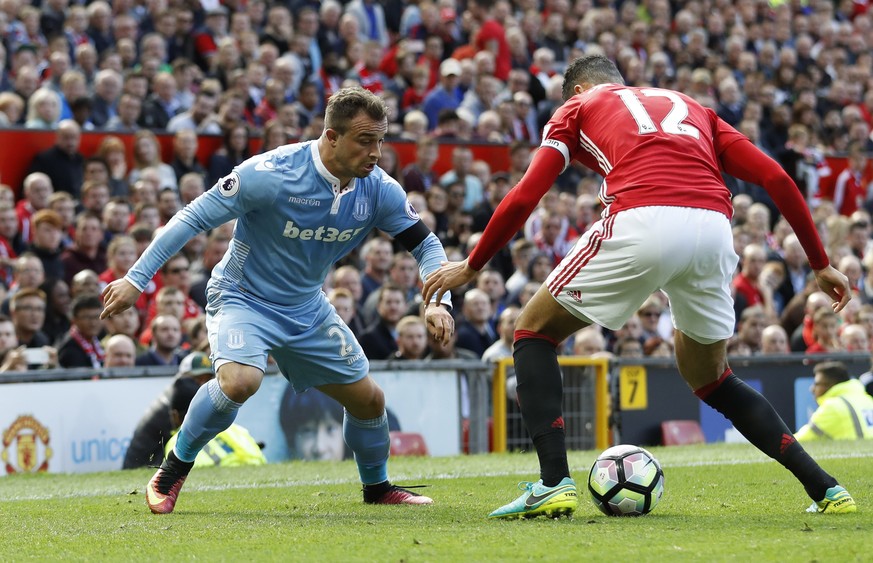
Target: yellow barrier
(600,400)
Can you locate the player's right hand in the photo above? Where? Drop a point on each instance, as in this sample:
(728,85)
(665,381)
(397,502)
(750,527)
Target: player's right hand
(118,296)
(449,276)
(836,285)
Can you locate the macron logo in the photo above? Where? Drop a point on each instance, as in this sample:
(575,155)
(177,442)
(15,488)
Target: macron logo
(304,201)
(322,233)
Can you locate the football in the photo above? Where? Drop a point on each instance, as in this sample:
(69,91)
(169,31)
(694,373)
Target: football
(626,481)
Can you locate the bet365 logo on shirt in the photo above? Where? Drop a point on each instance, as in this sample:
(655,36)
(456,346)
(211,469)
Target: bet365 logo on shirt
(322,233)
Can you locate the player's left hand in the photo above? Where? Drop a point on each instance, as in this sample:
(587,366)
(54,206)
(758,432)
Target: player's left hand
(836,285)
(439,322)
(449,276)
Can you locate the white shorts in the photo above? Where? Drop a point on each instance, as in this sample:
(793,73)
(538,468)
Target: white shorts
(688,253)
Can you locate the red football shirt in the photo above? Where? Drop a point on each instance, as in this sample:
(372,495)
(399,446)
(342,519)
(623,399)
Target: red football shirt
(652,146)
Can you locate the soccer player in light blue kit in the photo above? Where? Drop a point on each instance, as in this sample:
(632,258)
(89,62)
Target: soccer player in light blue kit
(299,209)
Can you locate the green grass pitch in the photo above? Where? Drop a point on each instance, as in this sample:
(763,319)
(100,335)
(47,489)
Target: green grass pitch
(721,503)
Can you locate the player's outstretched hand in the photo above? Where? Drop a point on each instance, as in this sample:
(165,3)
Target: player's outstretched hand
(439,322)
(449,276)
(836,285)
(118,296)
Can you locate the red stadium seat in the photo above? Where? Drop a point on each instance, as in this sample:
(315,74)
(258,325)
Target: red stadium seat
(408,443)
(681,432)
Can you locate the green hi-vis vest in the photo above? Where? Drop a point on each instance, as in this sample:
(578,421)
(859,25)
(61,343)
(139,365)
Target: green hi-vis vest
(233,447)
(845,412)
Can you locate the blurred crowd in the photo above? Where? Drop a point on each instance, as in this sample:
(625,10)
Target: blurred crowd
(795,77)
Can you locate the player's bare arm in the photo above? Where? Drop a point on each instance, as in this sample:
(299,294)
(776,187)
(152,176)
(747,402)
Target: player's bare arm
(118,296)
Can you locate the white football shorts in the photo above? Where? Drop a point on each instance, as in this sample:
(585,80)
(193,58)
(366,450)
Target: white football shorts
(686,252)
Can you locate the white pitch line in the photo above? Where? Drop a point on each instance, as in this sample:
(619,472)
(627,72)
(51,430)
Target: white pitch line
(404,478)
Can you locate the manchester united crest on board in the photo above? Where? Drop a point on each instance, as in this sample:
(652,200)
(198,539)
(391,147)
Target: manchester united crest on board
(26,446)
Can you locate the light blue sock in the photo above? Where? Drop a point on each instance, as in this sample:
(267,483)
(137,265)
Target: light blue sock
(210,412)
(370,442)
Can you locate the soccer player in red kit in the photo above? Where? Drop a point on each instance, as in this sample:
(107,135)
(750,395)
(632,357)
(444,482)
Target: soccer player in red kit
(666,225)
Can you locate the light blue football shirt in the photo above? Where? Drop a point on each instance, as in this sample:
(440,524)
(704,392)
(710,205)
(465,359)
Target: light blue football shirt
(293,224)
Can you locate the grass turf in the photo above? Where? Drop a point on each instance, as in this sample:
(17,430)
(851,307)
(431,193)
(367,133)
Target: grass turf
(722,503)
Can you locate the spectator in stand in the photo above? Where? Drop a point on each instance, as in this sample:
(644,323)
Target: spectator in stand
(120,352)
(491,36)
(127,116)
(446,95)
(346,307)
(747,283)
(37,189)
(116,218)
(419,175)
(11,108)
(95,196)
(555,237)
(85,282)
(774,340)
(371,18)
(191,186)
(403,273)
(147,154)
(107,89)
(498,187)
(475,332)
(165,344)
(521,250)
(462,161)
(502,348)
(588,342)
(797,269)
(216,247)
(854,338)
(176,272)
(161,106)
(57,313)
(349,277)
(46,243)
(802,337)
(850,190)
(377,255)
(414,125)
(273,136)
(200,118)
(748,340)
(63,163)
(87,252)
(185,155)
(233,151)
(490,281)
(43,109)
(126,324)
(28,273)
(482,97)
(411,339)
(379,341)
(81,347)
(113,151)
(825,332)
(27,310)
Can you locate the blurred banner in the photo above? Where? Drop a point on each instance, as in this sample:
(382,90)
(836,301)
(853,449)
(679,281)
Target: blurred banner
(86,425)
